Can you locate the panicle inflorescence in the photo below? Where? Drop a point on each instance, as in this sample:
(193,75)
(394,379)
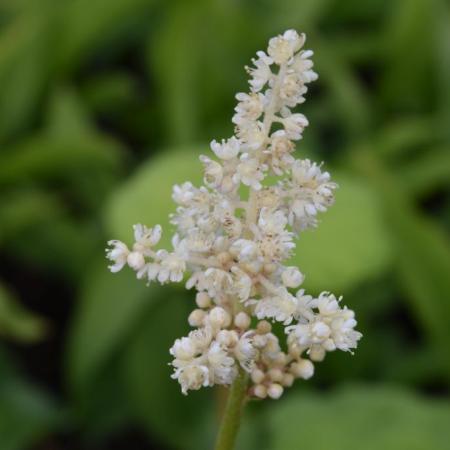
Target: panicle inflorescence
(233,242)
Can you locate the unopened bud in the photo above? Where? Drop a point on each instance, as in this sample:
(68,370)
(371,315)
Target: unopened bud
(257,376)
(203,300)
(196,318)
(303,369)
(260,391)
(136,260)
(275,391)
(263,327)
(219,317)
(242,320)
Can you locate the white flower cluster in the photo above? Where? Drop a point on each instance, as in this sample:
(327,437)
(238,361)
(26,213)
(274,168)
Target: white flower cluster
(233,241)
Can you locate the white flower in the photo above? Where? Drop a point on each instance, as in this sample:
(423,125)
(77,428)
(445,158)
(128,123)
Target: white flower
(292,277)
(227,338)
(280,308)
(279,153)
(191,376)
(244,250)
(294,125)
(253,135)
(250,107)
(245,352)
(199,241)
(201,338)
(171,268)
(332,327)
(146,237)
(184,194)
(292,90)
(118,254)
(232,225)
(282,48)
(227,149)
(270,198)
(136,260)
(302,66)
(242,283)
(213,171)
(305,304)
(216,281)
(274,240)
(308,175)
(183,348)
(223,368)
(261,73)
(327,304)
(234,237)
(270,222)
(149,271)
(313,190)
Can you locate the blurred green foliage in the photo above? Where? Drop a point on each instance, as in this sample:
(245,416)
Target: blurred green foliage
(106,103)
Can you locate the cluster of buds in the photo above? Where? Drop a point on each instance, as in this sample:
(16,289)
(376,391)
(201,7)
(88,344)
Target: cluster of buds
(233,235)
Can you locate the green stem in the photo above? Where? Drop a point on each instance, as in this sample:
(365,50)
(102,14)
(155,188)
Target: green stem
(231,419)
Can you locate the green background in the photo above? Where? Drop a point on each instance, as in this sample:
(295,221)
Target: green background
(104,104)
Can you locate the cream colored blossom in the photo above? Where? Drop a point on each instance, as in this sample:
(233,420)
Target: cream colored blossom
(235,235)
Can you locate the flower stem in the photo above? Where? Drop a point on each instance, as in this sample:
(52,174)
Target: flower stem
(231,419)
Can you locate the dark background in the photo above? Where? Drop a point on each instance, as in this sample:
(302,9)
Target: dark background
(104,104)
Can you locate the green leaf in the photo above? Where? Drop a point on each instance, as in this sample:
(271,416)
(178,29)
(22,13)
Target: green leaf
(47,157)
(303,16)
(422,252)
(17,322)
(351,105)
(443,63)
(26,413)
(158,401)
(90,24)
(410,25)
(67,116)
(406,135)
(175,63)
(110,93)
(24,67)
(22,209)
(109,307)
(363,418)
(427,172)
(423,262)
(62,246)
(102,407)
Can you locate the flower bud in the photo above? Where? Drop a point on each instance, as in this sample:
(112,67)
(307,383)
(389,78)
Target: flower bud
(257,376)
(275,375)
(317,353)
(288,380)
(303,369)
(292,277)
(275,391)
(228,338)
(260,391)
(242,320)
(263,327)
(196,318)
(136,260)
(203,300)
(219,317)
